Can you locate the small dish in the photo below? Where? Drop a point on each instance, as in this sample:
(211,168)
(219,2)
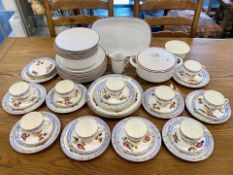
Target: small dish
(134,144)
(34,141)
(88,146)
(184,148)
(165,109)
(179,48)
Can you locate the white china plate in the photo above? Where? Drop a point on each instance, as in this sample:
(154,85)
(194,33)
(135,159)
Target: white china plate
(113,114)
(42,96)
(84,157)
(149,154)
(54,108)
(191,108)
(126,34)
(149,93)
(187,157)
(35,149)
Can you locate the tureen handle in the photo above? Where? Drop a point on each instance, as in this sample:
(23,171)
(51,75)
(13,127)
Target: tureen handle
(133,61)
(179,61)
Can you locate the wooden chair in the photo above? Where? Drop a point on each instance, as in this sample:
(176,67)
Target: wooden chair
(171,20)
(74,4)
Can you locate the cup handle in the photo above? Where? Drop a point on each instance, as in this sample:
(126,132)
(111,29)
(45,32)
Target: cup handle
(226,101)
(203,66)
(179,61)
(133,61)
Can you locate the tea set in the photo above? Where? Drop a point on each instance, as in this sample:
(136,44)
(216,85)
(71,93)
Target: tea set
(79,59)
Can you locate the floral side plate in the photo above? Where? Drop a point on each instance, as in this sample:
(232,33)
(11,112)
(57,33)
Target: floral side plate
(110,113)
(52,106)
(133,151)
(23,148)
(194,104)
(83,152)
(199,81)
(193,153)
(41,98)
(153,107)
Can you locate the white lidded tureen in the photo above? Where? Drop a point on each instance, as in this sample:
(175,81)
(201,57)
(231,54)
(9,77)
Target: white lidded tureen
(155,65)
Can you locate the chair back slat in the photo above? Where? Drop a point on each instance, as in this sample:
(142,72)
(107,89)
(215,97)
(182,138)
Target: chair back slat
(80,19)
(168,20)
(170,34)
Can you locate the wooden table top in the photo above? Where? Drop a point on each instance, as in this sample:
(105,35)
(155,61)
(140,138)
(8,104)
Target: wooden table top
(217,55)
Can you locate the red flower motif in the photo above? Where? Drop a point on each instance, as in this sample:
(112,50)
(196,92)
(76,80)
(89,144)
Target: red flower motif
(80,146)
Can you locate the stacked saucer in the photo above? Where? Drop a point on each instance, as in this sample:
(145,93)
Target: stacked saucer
(163,102)
(66,97)
(79,57)
(136,139)
(85,138)
(114,96)
(23,97)
(192,74)
(34,132)
(39,70)
(209,106)
(188,139)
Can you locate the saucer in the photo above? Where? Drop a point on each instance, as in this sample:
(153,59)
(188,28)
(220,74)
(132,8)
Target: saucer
(198,151)
(153,107)
(26,143)
(52,105)
(76,149)
(41,98)
(194,104)
(110,113)
(201,80)
(139,151)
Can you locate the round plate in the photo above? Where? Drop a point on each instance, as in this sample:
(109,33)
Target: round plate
(54,108)
(21,148)
(114,114)
(84,157)
(191,108)
(204,82)
(145,156)
(209,146)
(42,97)
(149,93)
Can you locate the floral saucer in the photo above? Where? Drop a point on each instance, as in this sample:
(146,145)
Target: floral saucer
(111,113)
(41,67)
(52,105)
(41,98)
(26,143)
(195,105)
(136,151)
(76,149)
(153,106)
(117,107)
(201,80)
(198,151)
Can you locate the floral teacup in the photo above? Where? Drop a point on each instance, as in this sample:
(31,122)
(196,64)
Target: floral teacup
(164,94)
(192,67)
(115,86)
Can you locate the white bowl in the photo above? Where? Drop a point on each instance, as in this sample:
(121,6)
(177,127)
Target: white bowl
(178,48)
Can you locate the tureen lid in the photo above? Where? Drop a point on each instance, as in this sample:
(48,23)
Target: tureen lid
(156,59)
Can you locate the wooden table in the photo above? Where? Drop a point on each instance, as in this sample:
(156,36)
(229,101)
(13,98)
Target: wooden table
(217,55)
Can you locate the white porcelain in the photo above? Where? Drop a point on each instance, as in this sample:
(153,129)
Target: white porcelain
(135,129)
(155,64)
(19,89)
(115,86)
(77,39)
(193,67)
(165,94)
(65,87)
(191,130)
(118,61)
(178,48)
(127,34)
(86,128)
(32,121)
(214,99)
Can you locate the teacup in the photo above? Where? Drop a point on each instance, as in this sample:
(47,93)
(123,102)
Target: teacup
(164,94)
(86,128)
(214,99)
(192,67)
(32,122)
(118,60)
(115,86)
(191,130)
(136,129)
(178,48)
(65,88)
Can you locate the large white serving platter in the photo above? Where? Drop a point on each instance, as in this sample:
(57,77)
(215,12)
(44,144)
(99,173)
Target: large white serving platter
(126,34)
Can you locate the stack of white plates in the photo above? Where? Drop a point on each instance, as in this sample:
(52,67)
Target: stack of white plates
(79,57)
